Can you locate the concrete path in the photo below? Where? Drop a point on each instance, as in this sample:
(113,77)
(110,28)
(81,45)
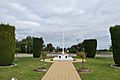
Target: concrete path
(62,70)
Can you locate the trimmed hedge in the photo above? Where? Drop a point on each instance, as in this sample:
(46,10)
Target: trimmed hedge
(7,44)
(115,37)
(90,46)
(37,47)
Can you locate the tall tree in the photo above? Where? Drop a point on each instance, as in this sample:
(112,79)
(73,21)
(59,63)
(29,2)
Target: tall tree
(25,45)
(50,47)
(76,48)
(58,49)
(17,46)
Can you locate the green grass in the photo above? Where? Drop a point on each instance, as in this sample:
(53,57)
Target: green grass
(101,69)
(24,70)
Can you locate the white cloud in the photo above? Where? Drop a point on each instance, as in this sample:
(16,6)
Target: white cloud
(80,19)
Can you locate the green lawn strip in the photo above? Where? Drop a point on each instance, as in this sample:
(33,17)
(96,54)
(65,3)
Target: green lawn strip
(24,70)
(101,69)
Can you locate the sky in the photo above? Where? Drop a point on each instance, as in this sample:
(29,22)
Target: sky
(78,19)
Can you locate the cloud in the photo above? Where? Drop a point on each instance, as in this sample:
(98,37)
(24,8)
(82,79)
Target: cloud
(79,19)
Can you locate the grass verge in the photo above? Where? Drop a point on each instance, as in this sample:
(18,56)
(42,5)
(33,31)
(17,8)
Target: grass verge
(24,70)
(101,69)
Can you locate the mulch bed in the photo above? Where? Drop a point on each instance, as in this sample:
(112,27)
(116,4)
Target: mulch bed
(41,69)
(11,65)
(84,70)
(115,65)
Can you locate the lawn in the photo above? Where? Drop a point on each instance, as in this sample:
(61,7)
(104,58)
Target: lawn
(24,70)
(101,69)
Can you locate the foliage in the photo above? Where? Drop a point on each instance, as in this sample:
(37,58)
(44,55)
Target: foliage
(43,58)
(25,45)
(49,47)
(82,55)
(17,46)
(104,50)
(37,47)
(7,44)
(76,48)
(73,49)
(58,49)
(90,46)
(22,47)
(115,37)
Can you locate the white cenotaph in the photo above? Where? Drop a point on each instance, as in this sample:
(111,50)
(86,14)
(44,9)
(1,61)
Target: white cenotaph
(63,56)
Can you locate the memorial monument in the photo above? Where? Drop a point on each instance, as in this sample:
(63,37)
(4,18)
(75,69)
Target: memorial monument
(63,56)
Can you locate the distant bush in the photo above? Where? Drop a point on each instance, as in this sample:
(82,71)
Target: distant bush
(104,50)
(90,47)
(37,47)
(23,48)
(72,51)
(7,44)
(115,37)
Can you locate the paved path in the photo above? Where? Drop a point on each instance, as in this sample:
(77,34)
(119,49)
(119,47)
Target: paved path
(62,70)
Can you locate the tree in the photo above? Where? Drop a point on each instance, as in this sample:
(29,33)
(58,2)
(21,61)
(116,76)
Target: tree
(17,46)
(58,49)
(25,45)
(22,47)
(90,47)
(37,47)
(29,41)
(80,47)
(73,49)
(7,44)
(43,58)
(115,38)
(82,55)
(76,48)
(49,47)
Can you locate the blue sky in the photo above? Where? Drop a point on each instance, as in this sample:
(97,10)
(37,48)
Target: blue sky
(79,19)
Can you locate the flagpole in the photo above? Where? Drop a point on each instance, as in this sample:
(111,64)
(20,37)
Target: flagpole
(63,44)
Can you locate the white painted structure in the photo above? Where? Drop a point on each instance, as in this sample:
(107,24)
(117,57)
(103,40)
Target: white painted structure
(63,56)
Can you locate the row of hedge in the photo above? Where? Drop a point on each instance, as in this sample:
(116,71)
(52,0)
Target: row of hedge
(7,45)
(90,45)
